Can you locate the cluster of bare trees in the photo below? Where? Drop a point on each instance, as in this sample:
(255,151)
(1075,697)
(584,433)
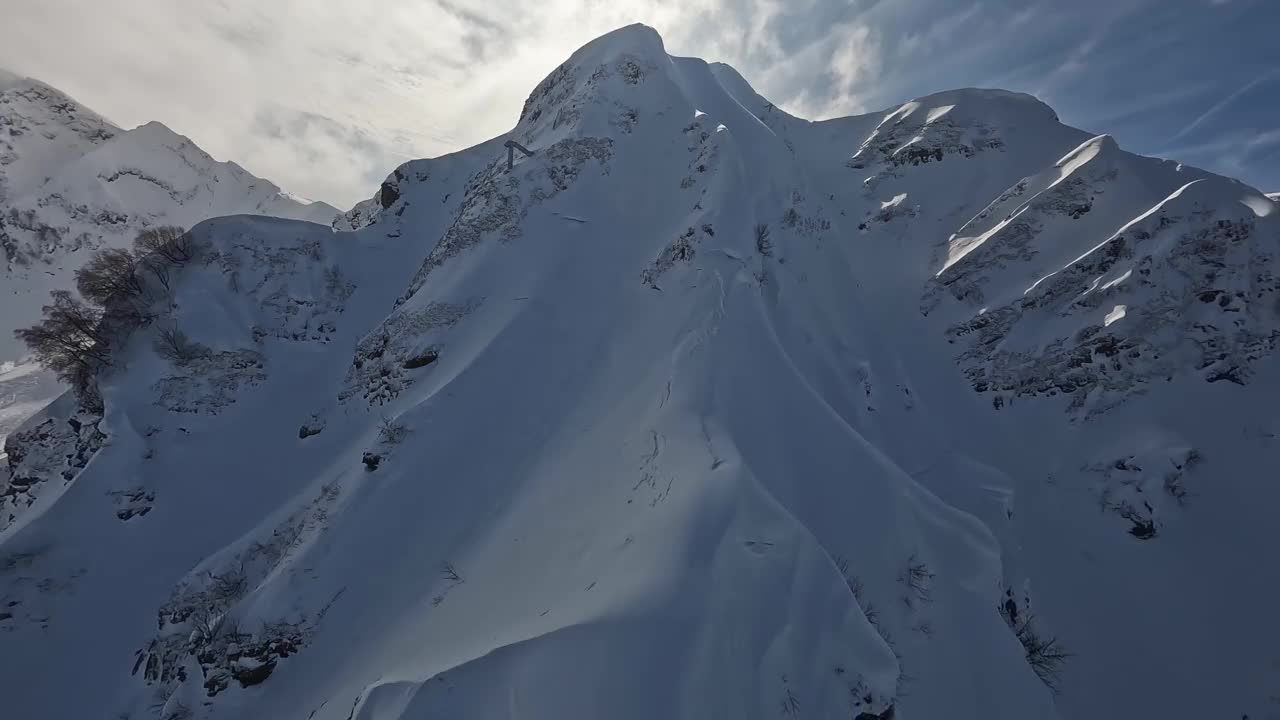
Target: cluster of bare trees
(75,337)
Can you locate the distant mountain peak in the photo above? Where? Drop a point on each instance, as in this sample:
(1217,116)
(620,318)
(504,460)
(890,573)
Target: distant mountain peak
(71,182)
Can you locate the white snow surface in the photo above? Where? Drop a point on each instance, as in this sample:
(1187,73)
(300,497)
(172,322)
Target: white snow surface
(72,182)
(700,411)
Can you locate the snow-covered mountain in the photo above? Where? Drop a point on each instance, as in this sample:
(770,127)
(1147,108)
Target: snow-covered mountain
(71,182)
(700,410)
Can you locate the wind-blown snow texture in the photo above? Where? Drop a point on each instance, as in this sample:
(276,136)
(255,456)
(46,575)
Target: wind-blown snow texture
(701,411)
(72,182)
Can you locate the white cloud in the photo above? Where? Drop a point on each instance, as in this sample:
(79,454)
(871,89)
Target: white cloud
(326,97)
(855,60)
(1226,101)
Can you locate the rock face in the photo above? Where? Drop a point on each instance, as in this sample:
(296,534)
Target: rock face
(1188,285)
(52,448)
(699,410)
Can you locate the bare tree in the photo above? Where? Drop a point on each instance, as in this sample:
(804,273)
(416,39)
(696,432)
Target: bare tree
(763,244)
(1045,655)
(110,275)
(159,269)
(170,242)
(174,345)
(392,431)
(69,340)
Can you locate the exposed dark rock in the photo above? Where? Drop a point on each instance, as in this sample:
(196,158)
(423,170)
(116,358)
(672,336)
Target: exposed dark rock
(249,676)
(388,195)
(421,359)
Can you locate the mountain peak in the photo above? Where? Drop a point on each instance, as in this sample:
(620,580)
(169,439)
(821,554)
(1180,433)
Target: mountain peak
(636,38)
(44,128)
(993,106)
(745,453)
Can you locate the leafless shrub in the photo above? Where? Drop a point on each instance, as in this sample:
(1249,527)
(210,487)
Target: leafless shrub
(855,586)
(1174,487)
(174,345)
(790,704)
(1045,655)
(764,245)
(392,431)
(858,590)
(336,283)
(449,572)
(872,614)
(917,577)
(1193,458)
(209,607)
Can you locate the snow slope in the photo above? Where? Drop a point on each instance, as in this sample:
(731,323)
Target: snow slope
(71,182)
(702,410)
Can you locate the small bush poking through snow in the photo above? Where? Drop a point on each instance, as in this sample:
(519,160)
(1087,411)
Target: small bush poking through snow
(392,431)
(1045,655)
(764,245)
(917,578)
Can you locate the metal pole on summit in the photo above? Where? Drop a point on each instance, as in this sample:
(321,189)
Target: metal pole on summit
(512,146)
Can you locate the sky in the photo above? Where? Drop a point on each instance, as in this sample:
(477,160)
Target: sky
(326,97)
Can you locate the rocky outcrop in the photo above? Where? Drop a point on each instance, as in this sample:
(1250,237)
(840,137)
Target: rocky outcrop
(52,452)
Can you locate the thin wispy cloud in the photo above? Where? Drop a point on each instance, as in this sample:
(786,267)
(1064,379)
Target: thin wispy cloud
(1225,102)
(326,98)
